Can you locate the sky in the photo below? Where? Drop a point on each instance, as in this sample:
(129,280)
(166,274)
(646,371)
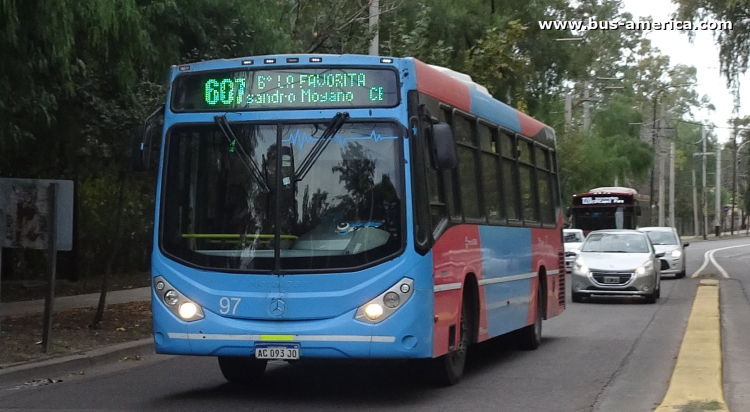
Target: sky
(703,54)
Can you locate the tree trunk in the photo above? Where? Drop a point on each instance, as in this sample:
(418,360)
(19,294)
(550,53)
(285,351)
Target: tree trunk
(115,248)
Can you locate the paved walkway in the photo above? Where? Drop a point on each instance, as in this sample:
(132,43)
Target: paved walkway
(29,307)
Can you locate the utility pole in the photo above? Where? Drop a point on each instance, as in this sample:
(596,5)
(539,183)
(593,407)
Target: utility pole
(734,177)
(703,189)
(662,175)
(671,184)
(586,117)
(695,207)
(703,192)
(717,217)
(568,111)
(373,25)
(656,159)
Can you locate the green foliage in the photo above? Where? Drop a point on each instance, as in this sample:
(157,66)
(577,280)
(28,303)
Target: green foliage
(75,77)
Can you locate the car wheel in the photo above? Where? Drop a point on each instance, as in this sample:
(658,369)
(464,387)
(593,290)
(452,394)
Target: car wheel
(681,275)
(657,292)
(651,297)
(577,297)
(242,370)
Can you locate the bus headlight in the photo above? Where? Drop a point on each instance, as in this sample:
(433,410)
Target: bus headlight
(385,304)
(188,310)
(176,302)
(373,311)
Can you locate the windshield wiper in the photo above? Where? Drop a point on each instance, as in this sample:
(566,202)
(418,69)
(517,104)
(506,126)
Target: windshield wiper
(320,145)
(246,160)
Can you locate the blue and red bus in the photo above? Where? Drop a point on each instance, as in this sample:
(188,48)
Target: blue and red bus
(342,206)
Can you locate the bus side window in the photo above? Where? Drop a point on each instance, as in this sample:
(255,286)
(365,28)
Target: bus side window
(509,176)
(490,172)
(528,181)
(468,164)
(545,186)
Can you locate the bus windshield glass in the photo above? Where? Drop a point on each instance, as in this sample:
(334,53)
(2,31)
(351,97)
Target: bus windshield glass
(344,211)
(597,218)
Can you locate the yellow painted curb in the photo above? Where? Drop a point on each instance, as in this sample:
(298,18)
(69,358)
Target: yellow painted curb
(696,383)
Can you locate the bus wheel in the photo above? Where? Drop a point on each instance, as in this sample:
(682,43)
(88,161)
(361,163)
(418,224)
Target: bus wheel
(530,337)
(448,369)
(242,370)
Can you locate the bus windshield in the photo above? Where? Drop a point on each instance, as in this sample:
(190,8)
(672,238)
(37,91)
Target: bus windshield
(597,218)
(231,202)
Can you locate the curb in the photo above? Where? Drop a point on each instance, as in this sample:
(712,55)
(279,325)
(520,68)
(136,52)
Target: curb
(58,366)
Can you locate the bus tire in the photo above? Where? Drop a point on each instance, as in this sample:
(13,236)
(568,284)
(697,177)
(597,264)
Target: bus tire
(530,337)
(242,370)
(448,369)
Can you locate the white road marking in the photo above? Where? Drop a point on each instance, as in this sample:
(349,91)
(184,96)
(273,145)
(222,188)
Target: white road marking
(709,257)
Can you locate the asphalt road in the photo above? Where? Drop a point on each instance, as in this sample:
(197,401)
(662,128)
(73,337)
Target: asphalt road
(609,354)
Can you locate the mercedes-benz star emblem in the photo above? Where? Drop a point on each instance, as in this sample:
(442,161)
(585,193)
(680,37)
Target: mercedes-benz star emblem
(277,307)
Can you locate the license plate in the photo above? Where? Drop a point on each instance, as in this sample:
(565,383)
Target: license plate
(277,351)
(611,279)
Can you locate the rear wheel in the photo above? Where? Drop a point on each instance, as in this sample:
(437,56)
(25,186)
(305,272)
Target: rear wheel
(242,370)
(448,369)
(530,337)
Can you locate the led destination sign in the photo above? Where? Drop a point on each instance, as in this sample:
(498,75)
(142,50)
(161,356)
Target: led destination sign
(602,200)
(285,89)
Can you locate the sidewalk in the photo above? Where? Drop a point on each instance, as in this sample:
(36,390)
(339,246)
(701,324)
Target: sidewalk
(53,366)
(90,300)
(712,236)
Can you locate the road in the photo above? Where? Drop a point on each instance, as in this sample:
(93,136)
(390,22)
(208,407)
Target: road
(609,355)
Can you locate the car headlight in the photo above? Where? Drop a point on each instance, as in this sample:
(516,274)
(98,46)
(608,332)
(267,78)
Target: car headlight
(176,302)
(641,270)
(387,303)
(581,267)
(676,253)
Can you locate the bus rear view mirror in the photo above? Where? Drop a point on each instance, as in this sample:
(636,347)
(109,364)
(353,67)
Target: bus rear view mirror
(140,141)
(443,147)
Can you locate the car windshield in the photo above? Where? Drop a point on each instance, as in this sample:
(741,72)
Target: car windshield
(345,210)
(615,243)
(659,237)
(572,237)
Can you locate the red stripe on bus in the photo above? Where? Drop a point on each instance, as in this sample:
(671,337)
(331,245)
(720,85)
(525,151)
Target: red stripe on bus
(529,126)
(442,87)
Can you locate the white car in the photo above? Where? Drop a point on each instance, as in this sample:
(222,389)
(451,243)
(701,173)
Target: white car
(666,239)
(617,262)
(572,241)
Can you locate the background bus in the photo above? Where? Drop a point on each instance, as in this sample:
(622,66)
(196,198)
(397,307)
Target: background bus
(605,208)
(349,207)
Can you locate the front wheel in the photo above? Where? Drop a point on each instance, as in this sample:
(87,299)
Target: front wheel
(242,370)
(448,369)
(576,297)
(681,274)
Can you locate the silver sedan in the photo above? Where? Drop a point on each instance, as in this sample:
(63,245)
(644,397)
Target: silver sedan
(666,239)
(617,262)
